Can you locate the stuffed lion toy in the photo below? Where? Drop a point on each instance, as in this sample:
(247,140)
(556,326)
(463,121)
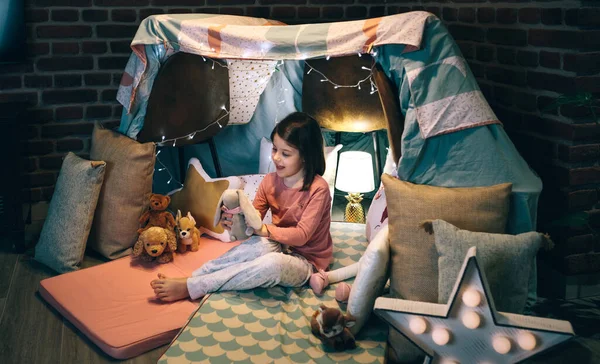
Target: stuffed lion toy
(156,243)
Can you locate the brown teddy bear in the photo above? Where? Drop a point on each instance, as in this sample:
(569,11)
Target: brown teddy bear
(157,214)
(155,243)
(188,235)
(329,325)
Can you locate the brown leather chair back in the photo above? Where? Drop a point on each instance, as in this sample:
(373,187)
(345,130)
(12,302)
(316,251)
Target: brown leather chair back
(345,108)
(187,95)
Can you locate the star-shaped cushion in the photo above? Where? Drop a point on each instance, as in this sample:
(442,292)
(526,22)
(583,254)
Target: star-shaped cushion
(200,197)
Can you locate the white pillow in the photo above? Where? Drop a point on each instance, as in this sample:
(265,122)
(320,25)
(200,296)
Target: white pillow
(370,279)
(265,164)
(331,158)
(377,216)
(391,166)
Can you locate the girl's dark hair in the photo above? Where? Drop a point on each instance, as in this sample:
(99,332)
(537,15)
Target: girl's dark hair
(304,133)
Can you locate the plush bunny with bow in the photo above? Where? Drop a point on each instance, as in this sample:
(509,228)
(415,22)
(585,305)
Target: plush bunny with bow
(245,218)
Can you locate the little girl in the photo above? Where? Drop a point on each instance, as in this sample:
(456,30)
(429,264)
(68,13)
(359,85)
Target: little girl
(300,203)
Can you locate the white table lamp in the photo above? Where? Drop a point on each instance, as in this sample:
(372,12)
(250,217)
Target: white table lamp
(355,176)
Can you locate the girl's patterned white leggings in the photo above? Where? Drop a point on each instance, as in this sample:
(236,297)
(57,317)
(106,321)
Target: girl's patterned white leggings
(256,262)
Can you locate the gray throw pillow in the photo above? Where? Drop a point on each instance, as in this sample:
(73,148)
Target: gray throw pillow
(507,261)
(70,215)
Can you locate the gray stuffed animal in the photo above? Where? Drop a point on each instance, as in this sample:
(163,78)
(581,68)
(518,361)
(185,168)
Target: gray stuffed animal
(245,218)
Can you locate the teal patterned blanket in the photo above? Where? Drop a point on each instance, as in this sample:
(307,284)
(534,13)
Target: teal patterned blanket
(273,325)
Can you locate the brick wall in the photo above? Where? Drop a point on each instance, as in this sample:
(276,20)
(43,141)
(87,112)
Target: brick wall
(524,54)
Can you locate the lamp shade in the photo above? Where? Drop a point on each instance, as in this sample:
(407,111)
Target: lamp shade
(355,172)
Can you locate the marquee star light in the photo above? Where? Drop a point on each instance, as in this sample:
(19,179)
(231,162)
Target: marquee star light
(468,329)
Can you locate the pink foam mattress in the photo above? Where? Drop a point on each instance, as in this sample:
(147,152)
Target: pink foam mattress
(114,305)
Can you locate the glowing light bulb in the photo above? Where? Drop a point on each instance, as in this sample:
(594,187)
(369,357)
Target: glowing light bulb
(471,319)
(471,298)
(440,336)
(327,58)
(223,107)
(526,341)
(174,142)
(417,325)
(163,138)
(501,344)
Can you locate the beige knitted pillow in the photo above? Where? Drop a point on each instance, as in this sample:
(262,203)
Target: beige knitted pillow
(125,193)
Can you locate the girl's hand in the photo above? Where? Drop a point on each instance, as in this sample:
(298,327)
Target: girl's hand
(263,231)
(226,219)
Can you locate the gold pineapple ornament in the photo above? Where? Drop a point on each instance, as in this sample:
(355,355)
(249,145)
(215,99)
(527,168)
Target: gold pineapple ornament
(354,210)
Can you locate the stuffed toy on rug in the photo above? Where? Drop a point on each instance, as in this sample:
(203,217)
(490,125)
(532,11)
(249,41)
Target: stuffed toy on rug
(331,327)
(245,218)
(155,243)
(157,214)
(188,235)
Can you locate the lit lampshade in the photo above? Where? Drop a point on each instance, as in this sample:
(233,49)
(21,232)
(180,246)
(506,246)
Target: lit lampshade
(355,175)
(355,172)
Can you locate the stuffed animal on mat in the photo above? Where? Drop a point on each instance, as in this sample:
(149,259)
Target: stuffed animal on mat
(329,325)
(155,243)
(157,214)
(245,218)
(188,235)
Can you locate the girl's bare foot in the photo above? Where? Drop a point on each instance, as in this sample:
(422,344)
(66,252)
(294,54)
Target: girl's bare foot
(170,289)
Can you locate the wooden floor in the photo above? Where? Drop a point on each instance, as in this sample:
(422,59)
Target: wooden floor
(31,331)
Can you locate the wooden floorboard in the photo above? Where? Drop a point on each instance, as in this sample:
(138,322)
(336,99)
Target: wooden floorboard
(2,302)
(30,332)
(8,260)
(77,348)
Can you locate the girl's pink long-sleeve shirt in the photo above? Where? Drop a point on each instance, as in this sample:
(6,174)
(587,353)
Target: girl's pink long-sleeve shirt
(301,219)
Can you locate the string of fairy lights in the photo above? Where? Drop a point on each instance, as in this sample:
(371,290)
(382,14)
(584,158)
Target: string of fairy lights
(367,80)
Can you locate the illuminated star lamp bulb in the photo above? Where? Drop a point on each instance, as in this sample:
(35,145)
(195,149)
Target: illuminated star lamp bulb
(449,361)
(471,319)
(526,341)
(440,336)
(417,325)
(471,298)
(501,344)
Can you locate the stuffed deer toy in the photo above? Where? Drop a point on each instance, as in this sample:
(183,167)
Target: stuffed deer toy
(245,218)
(188,235)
